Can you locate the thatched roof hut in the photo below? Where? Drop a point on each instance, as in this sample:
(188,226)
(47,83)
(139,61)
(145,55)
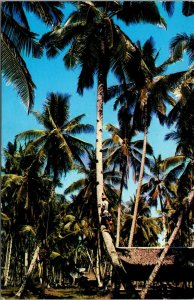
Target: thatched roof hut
(178,264)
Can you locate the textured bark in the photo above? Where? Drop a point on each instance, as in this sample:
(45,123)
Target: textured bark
(164,252)
(31,268)
(99,161)
(117,265)
(134,221)
(7,261)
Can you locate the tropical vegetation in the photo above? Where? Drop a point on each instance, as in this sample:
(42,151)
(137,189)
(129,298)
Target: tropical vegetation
(49,238)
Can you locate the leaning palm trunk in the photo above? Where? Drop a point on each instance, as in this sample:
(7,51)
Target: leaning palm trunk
(134,221)
(164,252)
(117,265)
(31,268)
(7,261)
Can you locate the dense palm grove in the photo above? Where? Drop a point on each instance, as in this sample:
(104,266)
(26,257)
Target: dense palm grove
(45,236)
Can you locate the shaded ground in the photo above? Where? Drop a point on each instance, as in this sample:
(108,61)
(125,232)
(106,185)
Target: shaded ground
(68,293)
(95,293)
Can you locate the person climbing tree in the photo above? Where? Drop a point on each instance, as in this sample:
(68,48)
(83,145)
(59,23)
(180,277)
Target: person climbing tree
(106,218)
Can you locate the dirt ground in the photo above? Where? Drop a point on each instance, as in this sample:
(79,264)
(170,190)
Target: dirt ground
(68,293)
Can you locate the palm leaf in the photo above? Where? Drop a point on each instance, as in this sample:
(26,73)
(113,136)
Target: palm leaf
(16,73)
(48,12)
(135,12)
(20,37)
(77,185)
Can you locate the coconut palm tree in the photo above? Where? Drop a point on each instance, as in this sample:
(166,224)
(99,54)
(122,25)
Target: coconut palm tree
(97,44)
(161,186)
(17,39)
(148,228)
(24,197)
(185,190)
(57,144)
(149,96)
(125,153)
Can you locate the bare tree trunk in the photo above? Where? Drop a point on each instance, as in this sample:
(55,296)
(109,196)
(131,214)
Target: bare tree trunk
(164,252)
(99,160)
(7,261)
(31,268)
(133,226)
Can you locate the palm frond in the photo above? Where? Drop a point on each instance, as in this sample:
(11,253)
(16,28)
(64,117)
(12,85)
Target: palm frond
(77,185)
(16,73)
(134,12)
(22,39)
(48,12)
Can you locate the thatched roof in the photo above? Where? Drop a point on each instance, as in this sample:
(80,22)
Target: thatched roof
(139,262)
(145,256)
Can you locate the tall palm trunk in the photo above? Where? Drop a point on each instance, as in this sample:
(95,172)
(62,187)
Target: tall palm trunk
(163,221)
(119,207)
(164,252)
(31,268)
(99,125)
(7,261)
(99,184)
(134,221)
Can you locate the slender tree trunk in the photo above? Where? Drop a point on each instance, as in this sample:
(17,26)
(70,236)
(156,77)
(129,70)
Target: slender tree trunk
(7,261)
(99,125)
(60,277)
(98,270)
(163,221)
(119,207)
(98,260)
(26,261)
(53,275)
(133,226)
(44,277)
(31,268)
(164,252)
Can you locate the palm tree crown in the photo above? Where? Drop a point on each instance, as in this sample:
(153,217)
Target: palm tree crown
(57,144)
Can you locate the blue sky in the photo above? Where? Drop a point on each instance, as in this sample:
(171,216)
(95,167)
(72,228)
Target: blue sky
(51,76)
